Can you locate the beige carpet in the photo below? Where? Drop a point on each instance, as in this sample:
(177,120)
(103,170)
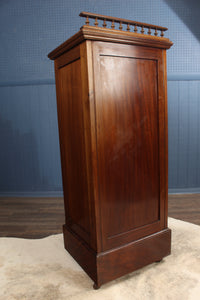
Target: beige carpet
(42,270)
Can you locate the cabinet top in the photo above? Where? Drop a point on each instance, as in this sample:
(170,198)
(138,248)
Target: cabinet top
(141,34)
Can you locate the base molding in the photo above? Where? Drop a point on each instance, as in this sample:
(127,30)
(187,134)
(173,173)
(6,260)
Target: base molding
(118,262)
(81,252)
(106,266)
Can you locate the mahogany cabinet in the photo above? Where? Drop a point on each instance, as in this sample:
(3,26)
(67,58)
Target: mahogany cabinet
(112,114)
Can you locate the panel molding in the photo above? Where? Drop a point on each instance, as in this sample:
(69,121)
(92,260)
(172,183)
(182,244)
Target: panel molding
(183,77)
(52,194)
(184,190)
(45,81)
(28,194)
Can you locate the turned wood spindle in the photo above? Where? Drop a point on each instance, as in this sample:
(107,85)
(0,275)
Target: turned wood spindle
(87,22)
(149,31)
(113,24)
(135,28)
(124,24)
(96,22)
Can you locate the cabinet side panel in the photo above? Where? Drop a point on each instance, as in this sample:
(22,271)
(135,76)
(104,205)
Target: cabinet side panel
(72,144)
(128,104)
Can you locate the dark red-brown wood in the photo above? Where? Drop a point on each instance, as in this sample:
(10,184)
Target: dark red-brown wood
(128,141)
(112,114)
(121,21)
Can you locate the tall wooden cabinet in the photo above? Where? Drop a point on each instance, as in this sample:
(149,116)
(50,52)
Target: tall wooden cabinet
(112,113)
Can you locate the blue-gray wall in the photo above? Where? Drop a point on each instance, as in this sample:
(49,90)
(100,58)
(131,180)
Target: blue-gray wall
(29,147)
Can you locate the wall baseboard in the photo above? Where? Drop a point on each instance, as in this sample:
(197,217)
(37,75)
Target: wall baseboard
(184,191)
(35,194)
(44,81)
(183,76)
(51,194)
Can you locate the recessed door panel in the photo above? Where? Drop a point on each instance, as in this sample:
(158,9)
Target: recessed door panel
(128,145)
(73,148)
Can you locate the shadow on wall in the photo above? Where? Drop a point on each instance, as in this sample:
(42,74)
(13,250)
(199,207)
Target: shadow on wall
(19,162)
(188,11)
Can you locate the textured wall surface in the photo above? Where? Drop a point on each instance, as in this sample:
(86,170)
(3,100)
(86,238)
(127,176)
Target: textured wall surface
(29,153)
(184,135)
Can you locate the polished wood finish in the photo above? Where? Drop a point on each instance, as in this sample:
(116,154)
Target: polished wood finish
(135,255)
(72,146)
(121,21)
(111,99)
(129,142)
(94,33)
(109,265)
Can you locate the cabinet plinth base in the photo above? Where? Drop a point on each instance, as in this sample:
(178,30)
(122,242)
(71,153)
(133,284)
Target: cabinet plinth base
(106,266)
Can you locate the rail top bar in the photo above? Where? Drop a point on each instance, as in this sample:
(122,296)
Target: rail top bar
(122,21)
